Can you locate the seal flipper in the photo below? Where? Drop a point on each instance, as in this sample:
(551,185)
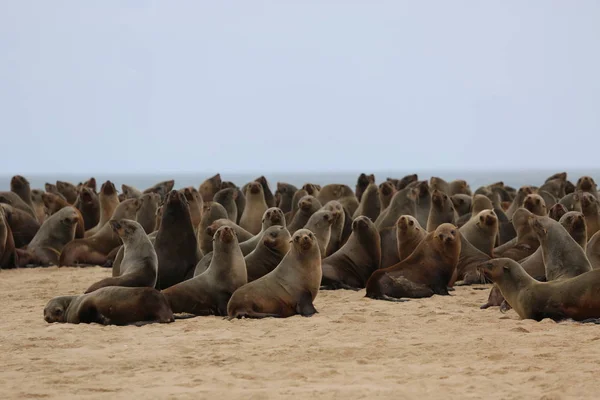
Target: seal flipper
(305,305)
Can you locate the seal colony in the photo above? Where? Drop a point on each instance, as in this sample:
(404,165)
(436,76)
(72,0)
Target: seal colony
(249,252)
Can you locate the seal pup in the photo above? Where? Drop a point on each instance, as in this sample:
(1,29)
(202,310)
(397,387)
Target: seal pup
(139,266)
(286,193)
(8,256)
(51,238)
(482,231)
(574,298)
(22,225)
(162,188)
(113,305)
(209,292)
(362,184)
(68,190)
(369,204)
(226,198)
(109,201)
(210,187)
(289,289)
(255,208)
(320,224)
(427,271)
(408,235)
(353,264)
(441,211)
(175,244)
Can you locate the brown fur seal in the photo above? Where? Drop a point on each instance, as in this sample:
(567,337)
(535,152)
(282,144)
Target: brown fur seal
(20,186)
(427,271)
(226,198)
(592,251)
(162,188)
(369,204)
(518,200)
(535,204)
(8,256)
(404,182)
(588,185)
(441,211)
(51,238)
(195,204)
(574,298)
(299,194)
(38,205)
(482,231)
(242,234)
(337,229)
(56,203)
(22,225)
(109,201)
(94,250)
(526,242)
(139,266)
(88,205)
(423,199)
(15,201)
(146,214)
(210,187)
(437,183)
(408,235)
(462,203)
(90,184)
(341,193)
(591,210)
(270,250)
(311,189)
(557,211)
(130,192)
(255,208)
(386,192)
(269,198)
(289,289)
(273,216)
(572,201)
(362,184)
(468,261)
(51,188)
(459,186)
(352,265)
(403,203)
(212,211)
(176,246)
(286,195)
(555,187)
(320,224)
(68,190)
(307,206)
(110,306)
(389,246)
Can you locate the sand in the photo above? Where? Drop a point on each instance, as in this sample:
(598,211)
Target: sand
(441,347)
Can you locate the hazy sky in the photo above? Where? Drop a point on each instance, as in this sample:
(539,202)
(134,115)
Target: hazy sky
(147,86)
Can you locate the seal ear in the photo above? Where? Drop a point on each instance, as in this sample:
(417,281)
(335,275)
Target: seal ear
(506,267)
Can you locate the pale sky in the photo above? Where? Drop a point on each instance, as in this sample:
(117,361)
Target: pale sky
(151,86)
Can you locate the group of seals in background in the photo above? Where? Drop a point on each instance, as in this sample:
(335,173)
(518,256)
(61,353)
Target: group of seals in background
(250,252)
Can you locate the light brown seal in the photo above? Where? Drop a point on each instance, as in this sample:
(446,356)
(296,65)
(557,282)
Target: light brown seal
(139,266)
(38,205)
(20,186)
(590,207)
(226,197)
(427,271)
(370,205)
(212,211)
(131,192)
(408,235)
(8,256)
(17,202)
(403,203)
(109,201)
(592,251)
(526,242)
(482,231)
(286,193)
(535,204)
(441,211)
(341,193)
(462,203)
(110,306)
(255,208)
(270,250)
(518,200)
(588,185)
(320,224)
(273,216)
(353,264)
(209,292)
(210,187)
(307,206)
(68,190)
(162,188)
(22,225)
(386,192)
(146,214)
(337,229)
(289,289)
(195,204)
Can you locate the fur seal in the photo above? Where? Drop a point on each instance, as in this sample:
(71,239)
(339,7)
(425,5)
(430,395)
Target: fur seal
(369,204)
(226,198)
(389,246)
(268,195)
(423,200)
(195,204)
(270,250)
(131,192)
(289,289)
(386,192)
(110,306)
(439,184)
(362,184)
(526,242)
(286,193)
(574,298)
(557,211)
(68,190)
(352,265)
(337,228)
(404,181)
(209,292)
(591,210)
(427,271)
(15,201)
(212,211)
(146,214)
(175,244)
(441,211)
(109,201)
(273,216)
(341,193)
(8,256)
(459,186)
(408,235)
(320,224)
(22,225)
(299,194)
(89,206)
(403,203)
(468,261)
(307,206)
(482,231)
(51,238)
(518,200)
(572,201)
(592,250)
(462,204)
(139,266)
(210,187)
(587,184)
(555,187)
(162,188)
(38,205)
(535,204)
(311,189)
(255,208)
(20,186)
(56,203)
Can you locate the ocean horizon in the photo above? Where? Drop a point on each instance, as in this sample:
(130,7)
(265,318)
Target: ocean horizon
(183,179)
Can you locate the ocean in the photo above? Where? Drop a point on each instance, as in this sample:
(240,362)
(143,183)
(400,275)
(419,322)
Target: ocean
(475,178)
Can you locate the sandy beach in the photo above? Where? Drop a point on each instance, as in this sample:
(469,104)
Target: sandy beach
(441,347)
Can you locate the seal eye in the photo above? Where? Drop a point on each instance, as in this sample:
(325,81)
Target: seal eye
(453,231)
(57,311)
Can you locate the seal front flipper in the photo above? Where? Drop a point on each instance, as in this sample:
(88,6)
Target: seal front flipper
(305,306)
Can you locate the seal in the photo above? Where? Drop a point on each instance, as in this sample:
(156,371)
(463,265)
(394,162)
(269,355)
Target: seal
(110,306)
(195,204)
(404,182)
(369,204)
(93,250)
(386,192)
(353,264)
(299,194)
(209,292)
(558,300)
(146,214)
(131,192)
(403,203)
(212,211)
(441,211)
(557,211)
(54,204)
(423,199)
(8,256)
(535,204)
(408,235)
(526,242)
(50,239)
(311,189)
(462,204)
(307,206)
(20,186)
(427,271)
(320,224)
(89,206)
(162,188)
(572,201)
(255,208)
(241,233)
(273,216)
(482,231)
(592,251)
(22,225)
(226,198)
(210,187)
(518,200)
(470,258)
(341,193)
(90,184)
(362,184)
(389,246)
(273,246)
(268,195)
(38,205)
(591,210)
(15,201)
(109,201)
(288,290)
(459,186)
(139,266)
(175,244)
(439,184)
(68,190)
(337,228)
(587,184)
(286,193)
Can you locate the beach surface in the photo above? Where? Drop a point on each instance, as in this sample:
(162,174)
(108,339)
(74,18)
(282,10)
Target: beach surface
(441,347)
